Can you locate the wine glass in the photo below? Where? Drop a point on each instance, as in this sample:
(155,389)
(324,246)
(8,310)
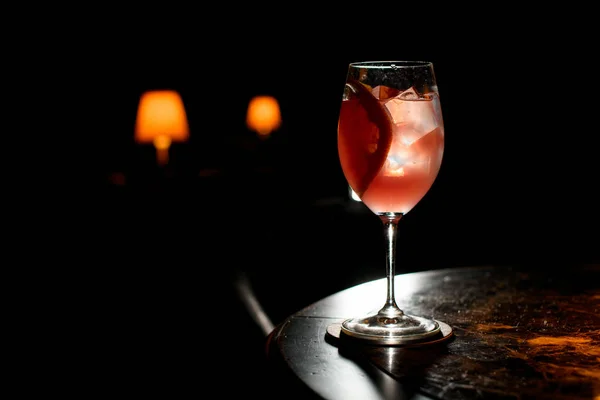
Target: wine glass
(390,145)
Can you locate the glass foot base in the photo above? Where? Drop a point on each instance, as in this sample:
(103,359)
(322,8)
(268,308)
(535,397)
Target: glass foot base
(334,332)
(378,329)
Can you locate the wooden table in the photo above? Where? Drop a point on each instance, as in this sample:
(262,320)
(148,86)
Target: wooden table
(518,333)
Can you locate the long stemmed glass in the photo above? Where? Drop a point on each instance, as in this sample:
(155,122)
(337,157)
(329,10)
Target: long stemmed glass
(390,144)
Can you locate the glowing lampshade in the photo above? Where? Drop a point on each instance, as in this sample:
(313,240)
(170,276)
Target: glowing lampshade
(161,120)
(264,115)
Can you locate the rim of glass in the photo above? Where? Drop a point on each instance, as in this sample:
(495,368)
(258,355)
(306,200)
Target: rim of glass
(391,63)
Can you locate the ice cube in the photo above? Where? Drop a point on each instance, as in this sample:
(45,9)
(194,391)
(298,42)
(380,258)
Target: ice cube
(409,94)
(406,133)
(412,115)
(398,158)
(419,156)
(384,92)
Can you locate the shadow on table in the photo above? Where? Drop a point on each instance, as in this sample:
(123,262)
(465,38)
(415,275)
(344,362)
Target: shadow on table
(408,364)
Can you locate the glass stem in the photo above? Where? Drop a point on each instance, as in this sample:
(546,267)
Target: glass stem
(390,224)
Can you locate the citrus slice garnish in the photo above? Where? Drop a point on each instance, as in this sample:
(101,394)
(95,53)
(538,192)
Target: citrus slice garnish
(364,136)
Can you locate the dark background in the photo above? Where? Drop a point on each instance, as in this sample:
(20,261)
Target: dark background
(154,255)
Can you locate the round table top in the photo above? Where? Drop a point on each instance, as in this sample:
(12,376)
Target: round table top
(516,333)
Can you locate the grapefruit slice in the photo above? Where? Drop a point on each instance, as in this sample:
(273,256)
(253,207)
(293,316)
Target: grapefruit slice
(364,136)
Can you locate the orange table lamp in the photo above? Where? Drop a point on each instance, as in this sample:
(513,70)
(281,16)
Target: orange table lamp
(263,115)
(161,120)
